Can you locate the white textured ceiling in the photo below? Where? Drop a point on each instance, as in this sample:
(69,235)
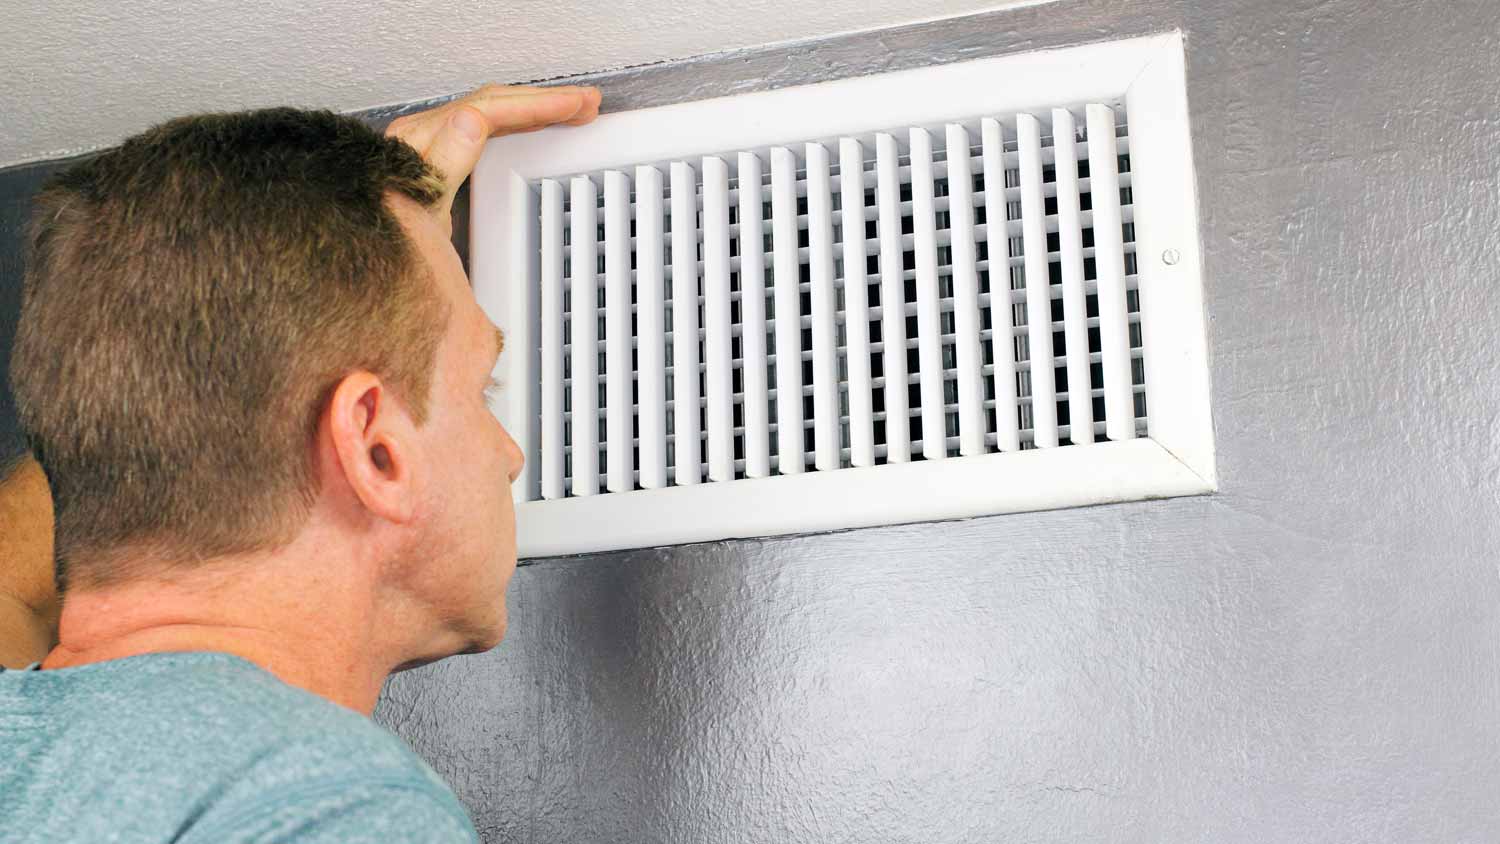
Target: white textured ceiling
(83,74)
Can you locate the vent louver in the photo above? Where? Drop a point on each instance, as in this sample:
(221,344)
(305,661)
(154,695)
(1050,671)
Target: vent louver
(839,323)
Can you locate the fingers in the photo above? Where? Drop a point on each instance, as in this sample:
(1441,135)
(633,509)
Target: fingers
(507,109)
(451,137)
(525,109)
(590,108)
(455,149)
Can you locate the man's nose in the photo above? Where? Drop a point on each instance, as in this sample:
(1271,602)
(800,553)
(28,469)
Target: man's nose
(516,457)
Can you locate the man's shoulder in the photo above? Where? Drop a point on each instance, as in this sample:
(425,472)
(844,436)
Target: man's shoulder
(321,772)
(203,700)
(202,741)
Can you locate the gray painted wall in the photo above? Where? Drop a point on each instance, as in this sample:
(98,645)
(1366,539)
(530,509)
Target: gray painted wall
(1311,655)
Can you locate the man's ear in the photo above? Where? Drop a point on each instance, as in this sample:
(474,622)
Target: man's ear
(373,439)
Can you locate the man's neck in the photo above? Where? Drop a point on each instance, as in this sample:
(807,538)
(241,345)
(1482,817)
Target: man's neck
(309,622)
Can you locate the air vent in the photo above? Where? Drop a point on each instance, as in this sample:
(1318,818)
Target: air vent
(895,298)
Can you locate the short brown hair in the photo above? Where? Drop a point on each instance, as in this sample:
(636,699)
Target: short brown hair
(191,299)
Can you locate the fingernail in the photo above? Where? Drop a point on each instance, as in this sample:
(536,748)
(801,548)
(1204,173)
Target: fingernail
(468,124)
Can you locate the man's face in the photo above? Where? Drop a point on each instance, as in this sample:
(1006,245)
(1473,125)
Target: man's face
(466,553)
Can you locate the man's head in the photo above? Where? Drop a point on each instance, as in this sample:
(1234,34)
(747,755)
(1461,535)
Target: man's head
(238,324)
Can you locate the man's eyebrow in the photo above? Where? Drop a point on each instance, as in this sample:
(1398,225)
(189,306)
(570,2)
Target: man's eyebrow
(499,342)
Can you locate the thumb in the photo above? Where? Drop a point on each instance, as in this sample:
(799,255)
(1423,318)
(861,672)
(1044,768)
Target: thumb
(456,148)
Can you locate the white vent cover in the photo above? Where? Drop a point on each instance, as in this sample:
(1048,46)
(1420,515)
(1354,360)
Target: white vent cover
(948,292)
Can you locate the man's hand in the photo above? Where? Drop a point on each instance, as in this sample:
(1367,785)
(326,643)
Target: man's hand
(452,136)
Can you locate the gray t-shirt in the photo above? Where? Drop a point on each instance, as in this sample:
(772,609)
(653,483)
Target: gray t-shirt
(204,747)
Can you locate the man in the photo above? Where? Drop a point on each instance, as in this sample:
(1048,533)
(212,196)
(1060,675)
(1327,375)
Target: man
(252,369)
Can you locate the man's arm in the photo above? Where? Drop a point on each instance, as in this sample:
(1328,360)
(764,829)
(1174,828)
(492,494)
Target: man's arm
(29,605)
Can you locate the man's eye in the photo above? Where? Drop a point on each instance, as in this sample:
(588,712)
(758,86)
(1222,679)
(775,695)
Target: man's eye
(492,389)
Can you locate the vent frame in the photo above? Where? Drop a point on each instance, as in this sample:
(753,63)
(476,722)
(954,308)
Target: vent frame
(1145,75)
